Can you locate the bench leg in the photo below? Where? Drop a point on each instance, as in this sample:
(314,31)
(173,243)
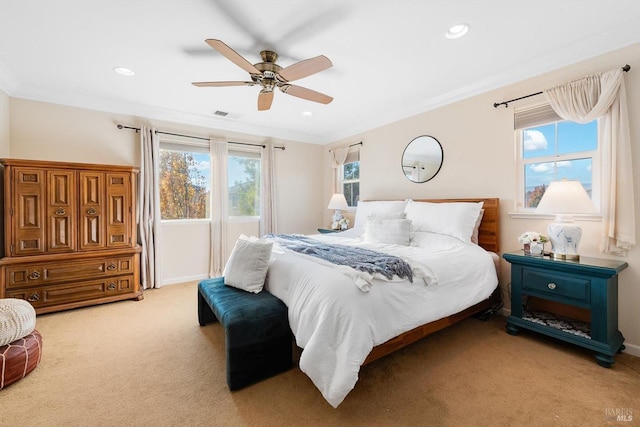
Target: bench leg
(205,314)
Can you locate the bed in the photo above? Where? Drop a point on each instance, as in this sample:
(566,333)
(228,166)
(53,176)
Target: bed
(344,319)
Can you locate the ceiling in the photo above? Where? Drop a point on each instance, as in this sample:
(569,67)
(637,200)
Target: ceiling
(390,57)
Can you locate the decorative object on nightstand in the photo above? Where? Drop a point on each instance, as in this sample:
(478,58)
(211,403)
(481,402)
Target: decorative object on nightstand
(563,199)
(533,243)
(574,301)
(338,202)
(327,230)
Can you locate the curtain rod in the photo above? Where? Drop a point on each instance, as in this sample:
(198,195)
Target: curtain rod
(353,145)
(626,68)
(199,137)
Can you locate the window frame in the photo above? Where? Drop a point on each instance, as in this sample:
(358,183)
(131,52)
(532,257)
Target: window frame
(353,156)
(521,163)
(174,144)
(257,154)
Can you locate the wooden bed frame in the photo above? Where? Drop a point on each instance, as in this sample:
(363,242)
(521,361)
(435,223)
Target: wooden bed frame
(489,239)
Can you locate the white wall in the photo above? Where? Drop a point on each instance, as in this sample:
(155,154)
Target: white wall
(479,161)
(38,130)
(4,124)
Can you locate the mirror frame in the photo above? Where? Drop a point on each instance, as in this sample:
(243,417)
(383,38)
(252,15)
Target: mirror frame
(427,139)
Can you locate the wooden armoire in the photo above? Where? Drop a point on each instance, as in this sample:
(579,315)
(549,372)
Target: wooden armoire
(69,234)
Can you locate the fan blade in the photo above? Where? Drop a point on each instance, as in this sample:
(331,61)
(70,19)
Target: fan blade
(308,94)
(233,56)
(265,98)
(221,84)
(305,68)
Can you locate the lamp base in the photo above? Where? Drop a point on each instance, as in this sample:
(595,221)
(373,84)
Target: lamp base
(565,236)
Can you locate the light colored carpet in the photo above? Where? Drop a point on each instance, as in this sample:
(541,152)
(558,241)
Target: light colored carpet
(149,363)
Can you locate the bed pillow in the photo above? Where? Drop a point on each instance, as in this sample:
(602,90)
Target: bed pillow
(476,228)
(378,207)
(456,219)
(394,231)
(247,266)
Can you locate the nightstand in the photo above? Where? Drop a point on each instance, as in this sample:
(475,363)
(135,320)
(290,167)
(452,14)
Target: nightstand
(327,230)
(589,286)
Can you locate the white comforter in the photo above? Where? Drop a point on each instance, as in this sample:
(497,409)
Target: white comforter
(337,323)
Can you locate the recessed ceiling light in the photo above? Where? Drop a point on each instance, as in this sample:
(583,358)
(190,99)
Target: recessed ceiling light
(124,71)
(457,31)
(307,113)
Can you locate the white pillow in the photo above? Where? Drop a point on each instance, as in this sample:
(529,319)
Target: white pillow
(476,228)
(379,207)
(247,266)
(394,231)
(456,219)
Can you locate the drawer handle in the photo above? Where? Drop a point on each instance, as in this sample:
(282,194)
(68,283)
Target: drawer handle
(111,286)
(60,211)
(33,297)
(91,211)
(34,275)
(111,267)
(551,286)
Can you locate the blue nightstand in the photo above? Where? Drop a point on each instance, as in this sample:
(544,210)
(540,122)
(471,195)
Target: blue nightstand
(590,284)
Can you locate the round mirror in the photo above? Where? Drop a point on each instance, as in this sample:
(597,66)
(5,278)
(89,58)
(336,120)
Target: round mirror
(422,159)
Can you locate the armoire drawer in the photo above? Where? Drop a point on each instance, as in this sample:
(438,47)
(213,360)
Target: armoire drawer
(27,275)
(42,296)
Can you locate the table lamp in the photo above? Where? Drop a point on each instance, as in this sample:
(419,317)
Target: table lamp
(337,203)
(564,199)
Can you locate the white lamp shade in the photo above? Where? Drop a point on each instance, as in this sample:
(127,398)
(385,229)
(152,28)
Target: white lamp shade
(565,198)
(338,201)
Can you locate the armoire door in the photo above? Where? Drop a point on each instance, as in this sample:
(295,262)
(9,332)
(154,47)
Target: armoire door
(61,210)
(92,211)
(118,210)
(28,212)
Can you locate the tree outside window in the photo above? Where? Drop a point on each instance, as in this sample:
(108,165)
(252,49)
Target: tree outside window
(184,184)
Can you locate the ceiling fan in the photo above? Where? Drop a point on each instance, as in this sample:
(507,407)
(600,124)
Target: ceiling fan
(270,75)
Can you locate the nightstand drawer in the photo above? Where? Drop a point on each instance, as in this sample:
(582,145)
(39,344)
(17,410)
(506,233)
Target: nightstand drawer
(556,284)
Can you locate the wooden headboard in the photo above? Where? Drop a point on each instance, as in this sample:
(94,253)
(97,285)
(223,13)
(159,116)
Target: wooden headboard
(489,232)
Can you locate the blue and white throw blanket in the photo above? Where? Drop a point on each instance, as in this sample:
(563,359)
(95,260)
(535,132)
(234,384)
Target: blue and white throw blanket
(357,258)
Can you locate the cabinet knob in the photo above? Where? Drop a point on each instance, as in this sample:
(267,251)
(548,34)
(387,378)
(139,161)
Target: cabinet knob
(33,297)
(91,211)
(111,267)
(111,286)
(551,285)
(60,211)
(34,275)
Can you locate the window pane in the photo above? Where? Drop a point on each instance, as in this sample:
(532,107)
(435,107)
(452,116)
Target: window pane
(538,176)
(351,171)
(576,137)
(351,192)
(244,186)
(539,141)
(184,184)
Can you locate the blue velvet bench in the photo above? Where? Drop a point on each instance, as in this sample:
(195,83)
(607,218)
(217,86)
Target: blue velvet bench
(258,339)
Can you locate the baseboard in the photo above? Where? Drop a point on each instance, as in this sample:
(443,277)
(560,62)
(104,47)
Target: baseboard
(631,349)
(184,279)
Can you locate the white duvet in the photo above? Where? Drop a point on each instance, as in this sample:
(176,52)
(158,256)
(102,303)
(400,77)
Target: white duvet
(337,322)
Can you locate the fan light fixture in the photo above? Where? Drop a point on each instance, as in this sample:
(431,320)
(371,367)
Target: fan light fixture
(457,31)
(563,199)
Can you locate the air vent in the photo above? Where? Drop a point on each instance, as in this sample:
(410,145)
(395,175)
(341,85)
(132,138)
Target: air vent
(221,113)
(226,115)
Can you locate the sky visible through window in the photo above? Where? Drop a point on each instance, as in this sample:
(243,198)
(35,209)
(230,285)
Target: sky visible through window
(562,138)
(235,169)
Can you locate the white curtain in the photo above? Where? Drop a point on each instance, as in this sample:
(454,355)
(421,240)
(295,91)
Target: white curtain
(219,206)
(338,156)
(603,96)
(149,208)
(268,191)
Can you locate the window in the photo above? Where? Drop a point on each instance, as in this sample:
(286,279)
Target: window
(550,149)
(244,183)
(184,181)
(350,177)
